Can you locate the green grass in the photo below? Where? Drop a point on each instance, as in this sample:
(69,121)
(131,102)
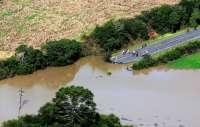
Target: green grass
(5,13)
(186,62)
(153,41)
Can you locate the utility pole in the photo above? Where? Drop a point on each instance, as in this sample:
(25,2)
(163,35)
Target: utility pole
(21,94)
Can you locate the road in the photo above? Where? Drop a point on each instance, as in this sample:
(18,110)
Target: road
(158,46)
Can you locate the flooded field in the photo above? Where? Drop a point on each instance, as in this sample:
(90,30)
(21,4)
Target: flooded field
(160,97)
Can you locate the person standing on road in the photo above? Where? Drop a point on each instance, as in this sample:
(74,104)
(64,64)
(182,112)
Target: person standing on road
(133,53)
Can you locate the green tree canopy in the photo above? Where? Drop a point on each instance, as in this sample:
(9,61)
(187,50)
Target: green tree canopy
(195,18)
(74,106)
(62,52)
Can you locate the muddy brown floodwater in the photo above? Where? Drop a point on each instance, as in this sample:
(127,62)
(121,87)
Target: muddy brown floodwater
(160,97)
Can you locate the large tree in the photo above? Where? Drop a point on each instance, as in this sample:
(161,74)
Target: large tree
(74,107)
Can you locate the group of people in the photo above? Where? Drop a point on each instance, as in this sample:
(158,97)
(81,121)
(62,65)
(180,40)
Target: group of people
(134,53)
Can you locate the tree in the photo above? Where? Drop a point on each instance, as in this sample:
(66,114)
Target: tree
(46,114)
(109,121)
(175,19)
(74,107)
(158,18)
(30,59)
(136,28)
(189,6)
(116,33)
(195,17)
(62,52)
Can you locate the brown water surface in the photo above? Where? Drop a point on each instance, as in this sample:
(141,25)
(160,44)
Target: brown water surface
(169,98)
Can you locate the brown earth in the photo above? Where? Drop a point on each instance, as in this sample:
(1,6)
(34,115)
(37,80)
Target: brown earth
(36,21)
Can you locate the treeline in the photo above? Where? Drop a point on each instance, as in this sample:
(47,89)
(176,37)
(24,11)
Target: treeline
(148,61)
(72,107)
(114,34)
(27,59)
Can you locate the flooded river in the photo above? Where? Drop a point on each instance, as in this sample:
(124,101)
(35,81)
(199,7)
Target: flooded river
(160,97)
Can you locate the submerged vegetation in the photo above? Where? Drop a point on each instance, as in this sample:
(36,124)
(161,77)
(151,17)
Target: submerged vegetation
(173,54)
(72,107)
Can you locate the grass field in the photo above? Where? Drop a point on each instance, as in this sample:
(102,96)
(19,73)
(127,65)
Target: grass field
(34,22)
(187,62)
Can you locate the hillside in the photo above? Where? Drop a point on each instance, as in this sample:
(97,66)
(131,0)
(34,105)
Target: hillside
(36,21)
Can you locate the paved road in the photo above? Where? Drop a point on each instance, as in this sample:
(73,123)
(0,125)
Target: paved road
(158,46)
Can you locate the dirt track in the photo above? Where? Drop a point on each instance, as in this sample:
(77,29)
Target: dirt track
(35,21)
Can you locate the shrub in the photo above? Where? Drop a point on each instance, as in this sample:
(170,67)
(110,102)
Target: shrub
(169,56)
(30,60)
(62,52)
(147,61)
(23,69)
(11,63)
(4,72)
